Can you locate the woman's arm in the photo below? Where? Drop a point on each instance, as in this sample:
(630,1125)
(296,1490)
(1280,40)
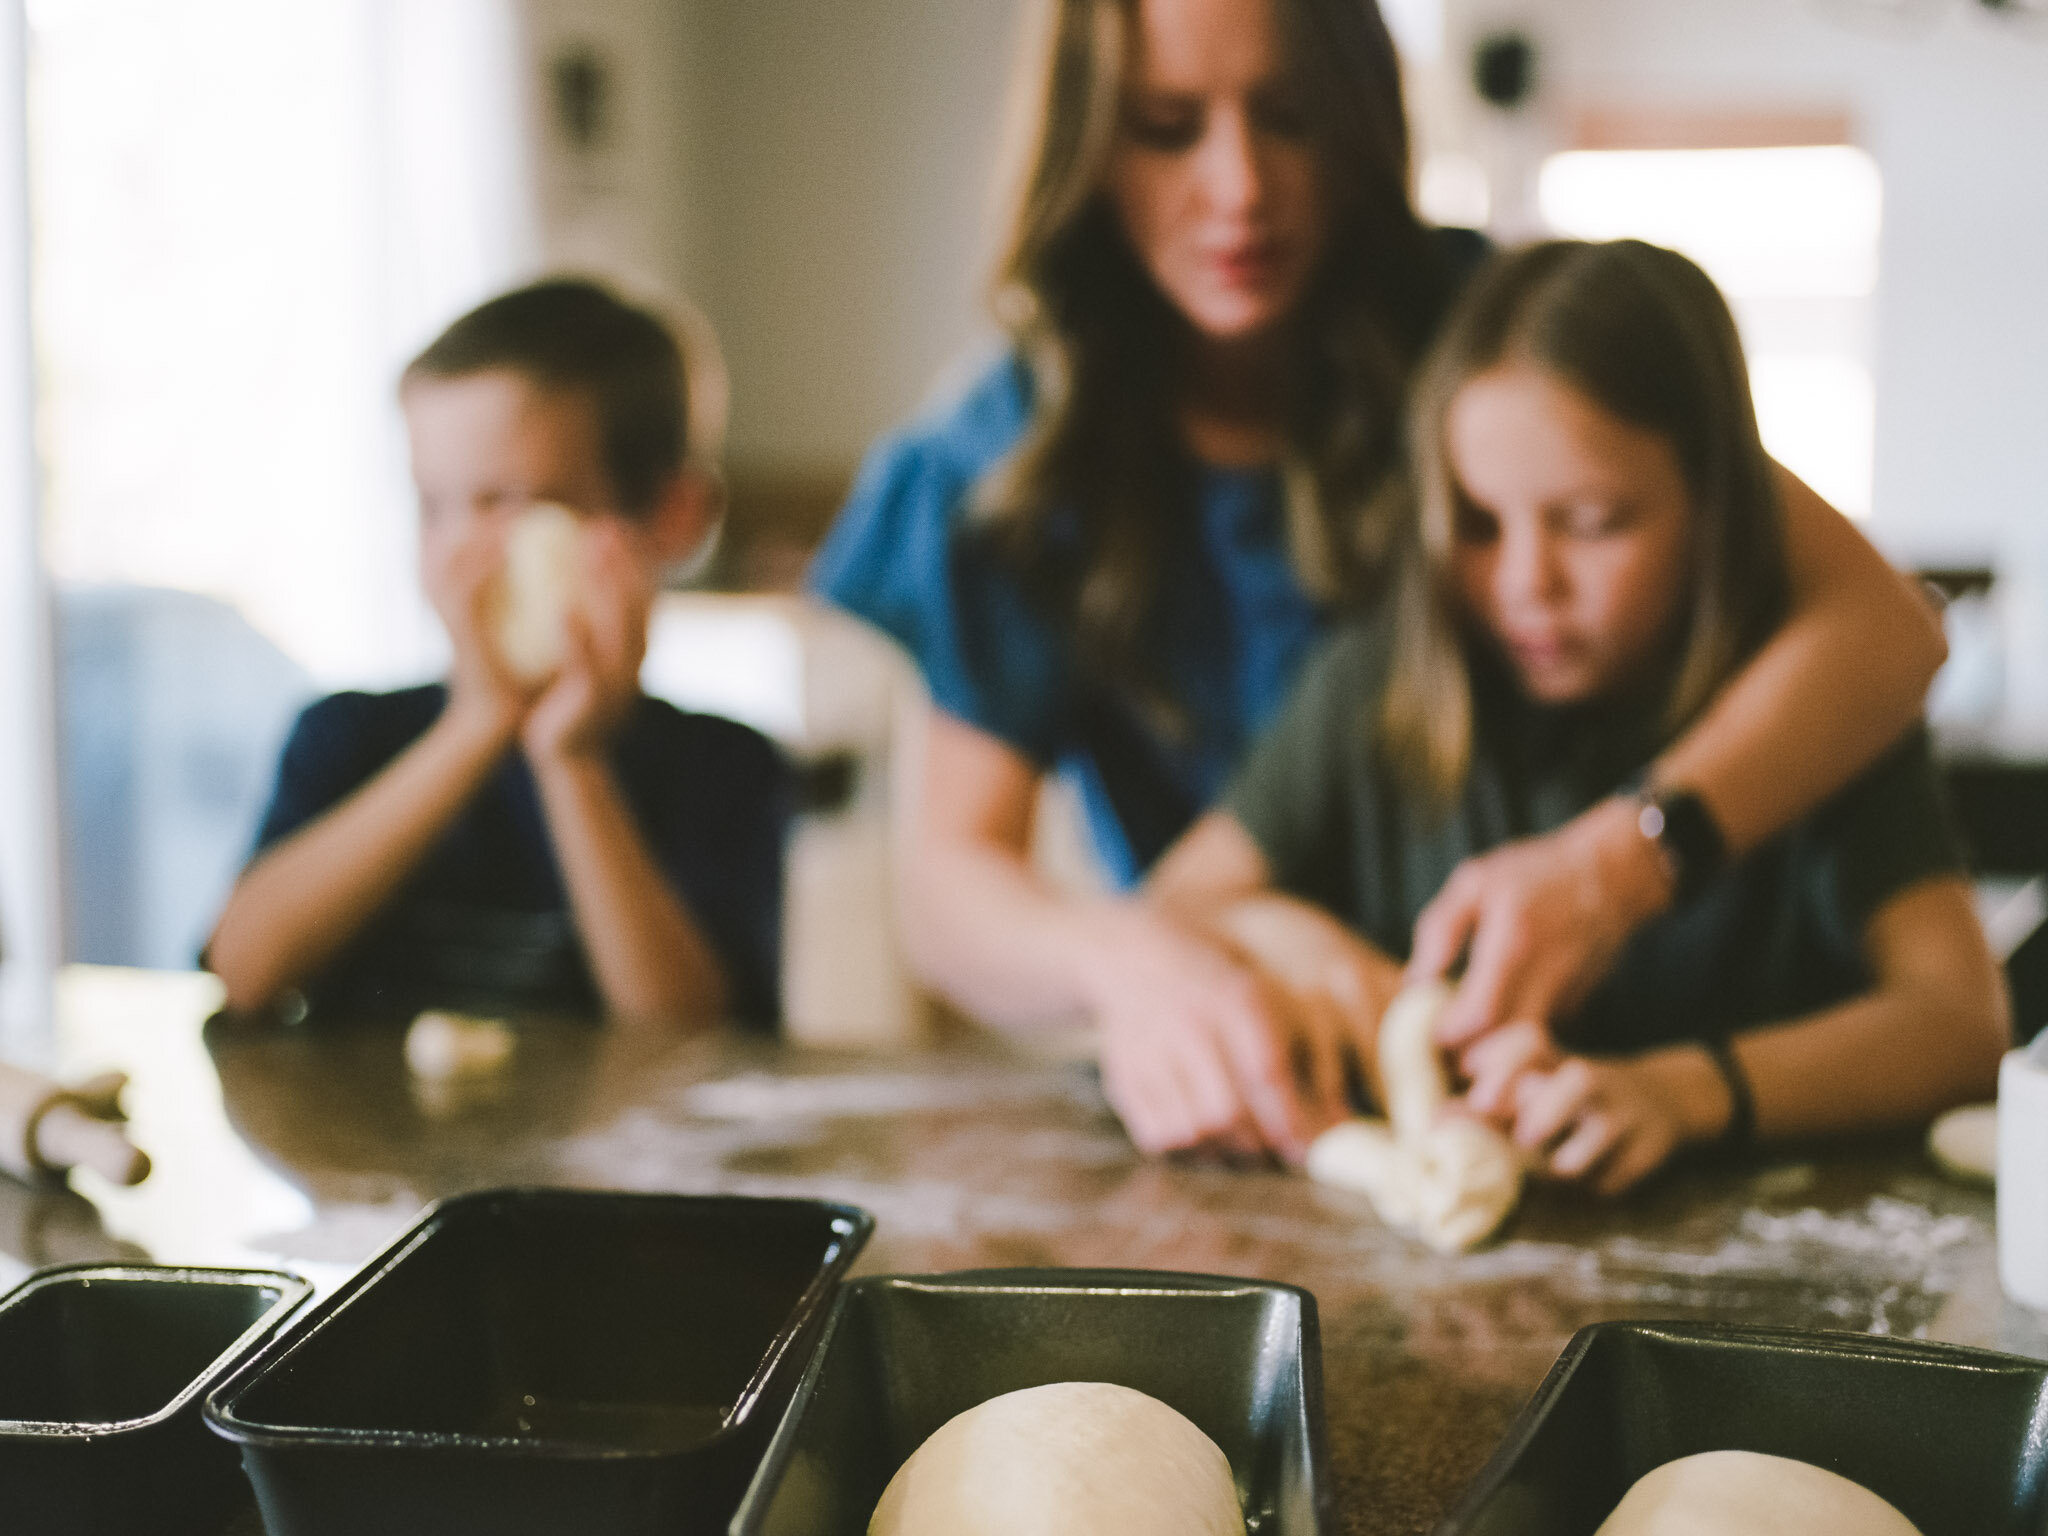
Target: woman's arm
(1844,677)
(1838,683)
(1927,1036)
(1197,1048)
(1216,877)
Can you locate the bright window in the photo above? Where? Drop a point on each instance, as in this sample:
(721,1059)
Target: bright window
(1791,236)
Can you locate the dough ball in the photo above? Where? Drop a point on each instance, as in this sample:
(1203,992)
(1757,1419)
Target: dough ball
(1075,1458)
(443,1045)
(1742,1493)
(539,584)
(1965,1143)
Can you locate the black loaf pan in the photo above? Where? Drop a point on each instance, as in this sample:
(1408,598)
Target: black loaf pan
(102,1371)
(543,1363)
(903,1354)
(1956,1438)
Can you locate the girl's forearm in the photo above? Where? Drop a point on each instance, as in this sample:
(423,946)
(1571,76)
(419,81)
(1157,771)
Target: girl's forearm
(1842,679)
(648,956)
(1882,1060)
(303,900)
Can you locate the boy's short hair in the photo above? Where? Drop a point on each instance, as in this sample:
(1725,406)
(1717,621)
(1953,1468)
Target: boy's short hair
(576,336)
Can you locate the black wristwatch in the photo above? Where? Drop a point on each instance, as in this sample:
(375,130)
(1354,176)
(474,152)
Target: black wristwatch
(1679,823)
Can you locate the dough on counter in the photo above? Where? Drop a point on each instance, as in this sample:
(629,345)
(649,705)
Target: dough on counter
(1074,1458)
(1744,1493)
(1411,1073)
(1965,1142)
(442,1045)
(1449,1179)
(537,587)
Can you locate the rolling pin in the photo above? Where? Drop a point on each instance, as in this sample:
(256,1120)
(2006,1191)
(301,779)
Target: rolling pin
(47,1129)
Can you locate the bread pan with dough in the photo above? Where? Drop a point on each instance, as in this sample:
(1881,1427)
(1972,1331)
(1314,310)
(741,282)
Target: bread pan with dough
(543,1362)
(1956,1438)
(902,1354)
(103,1368)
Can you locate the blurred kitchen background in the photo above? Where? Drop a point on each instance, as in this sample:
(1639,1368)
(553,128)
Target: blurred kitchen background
(243,216)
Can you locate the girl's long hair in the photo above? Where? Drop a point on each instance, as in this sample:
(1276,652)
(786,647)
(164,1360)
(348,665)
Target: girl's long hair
(1644,334)
(1104,456)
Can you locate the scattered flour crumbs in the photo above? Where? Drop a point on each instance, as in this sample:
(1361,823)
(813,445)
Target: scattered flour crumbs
(648,1149)
(1881,1269)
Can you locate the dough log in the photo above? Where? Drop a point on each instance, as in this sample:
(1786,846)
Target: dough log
(1449,1179)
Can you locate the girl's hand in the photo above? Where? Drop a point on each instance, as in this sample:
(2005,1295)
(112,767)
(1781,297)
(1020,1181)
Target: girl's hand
(459,563)
(1539,921)
(581,708)
(1324,967)
(1605,1121)
(1199,1049)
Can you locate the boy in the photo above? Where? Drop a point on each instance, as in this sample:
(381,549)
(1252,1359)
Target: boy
(488,842)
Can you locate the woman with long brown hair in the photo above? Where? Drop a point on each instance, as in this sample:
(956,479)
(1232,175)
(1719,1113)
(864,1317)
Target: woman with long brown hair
(1111,554)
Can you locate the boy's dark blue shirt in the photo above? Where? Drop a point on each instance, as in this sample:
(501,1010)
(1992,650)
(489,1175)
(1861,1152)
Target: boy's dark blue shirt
(484,921)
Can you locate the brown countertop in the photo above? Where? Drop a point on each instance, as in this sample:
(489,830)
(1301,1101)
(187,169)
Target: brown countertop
(307,1149)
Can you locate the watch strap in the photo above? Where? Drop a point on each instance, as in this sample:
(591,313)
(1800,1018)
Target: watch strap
(1679,823)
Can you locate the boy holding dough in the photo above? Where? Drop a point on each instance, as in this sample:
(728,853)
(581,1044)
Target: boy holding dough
(1596,548)
(535,832)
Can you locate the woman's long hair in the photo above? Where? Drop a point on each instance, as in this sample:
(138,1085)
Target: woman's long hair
(1101,341)
(1644,334)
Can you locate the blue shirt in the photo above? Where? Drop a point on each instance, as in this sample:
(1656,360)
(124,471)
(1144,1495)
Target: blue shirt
(1231,625)
(484,921)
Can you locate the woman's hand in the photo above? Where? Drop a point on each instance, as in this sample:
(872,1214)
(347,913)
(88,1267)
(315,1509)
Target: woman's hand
(1325,969)
(582,707)
(1605,1121)
(1202,1050)
(1539,921)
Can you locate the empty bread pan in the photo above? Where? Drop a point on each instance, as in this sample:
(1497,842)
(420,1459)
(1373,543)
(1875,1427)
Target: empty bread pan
(103,1368)
(543,1362)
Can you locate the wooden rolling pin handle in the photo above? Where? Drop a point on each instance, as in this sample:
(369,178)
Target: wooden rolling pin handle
(65,1136)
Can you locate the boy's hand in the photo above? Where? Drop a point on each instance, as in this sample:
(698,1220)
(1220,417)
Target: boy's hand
(459,566)
(583,706)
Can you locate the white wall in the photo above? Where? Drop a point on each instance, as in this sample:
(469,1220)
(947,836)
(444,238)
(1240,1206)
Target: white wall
(844,152)
(1956,114)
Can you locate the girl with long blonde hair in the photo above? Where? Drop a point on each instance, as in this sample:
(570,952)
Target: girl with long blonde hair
(1597,548)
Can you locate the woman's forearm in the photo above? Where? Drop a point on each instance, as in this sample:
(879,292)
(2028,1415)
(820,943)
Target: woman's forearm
(1840,681)
(987,932)
(304,899)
